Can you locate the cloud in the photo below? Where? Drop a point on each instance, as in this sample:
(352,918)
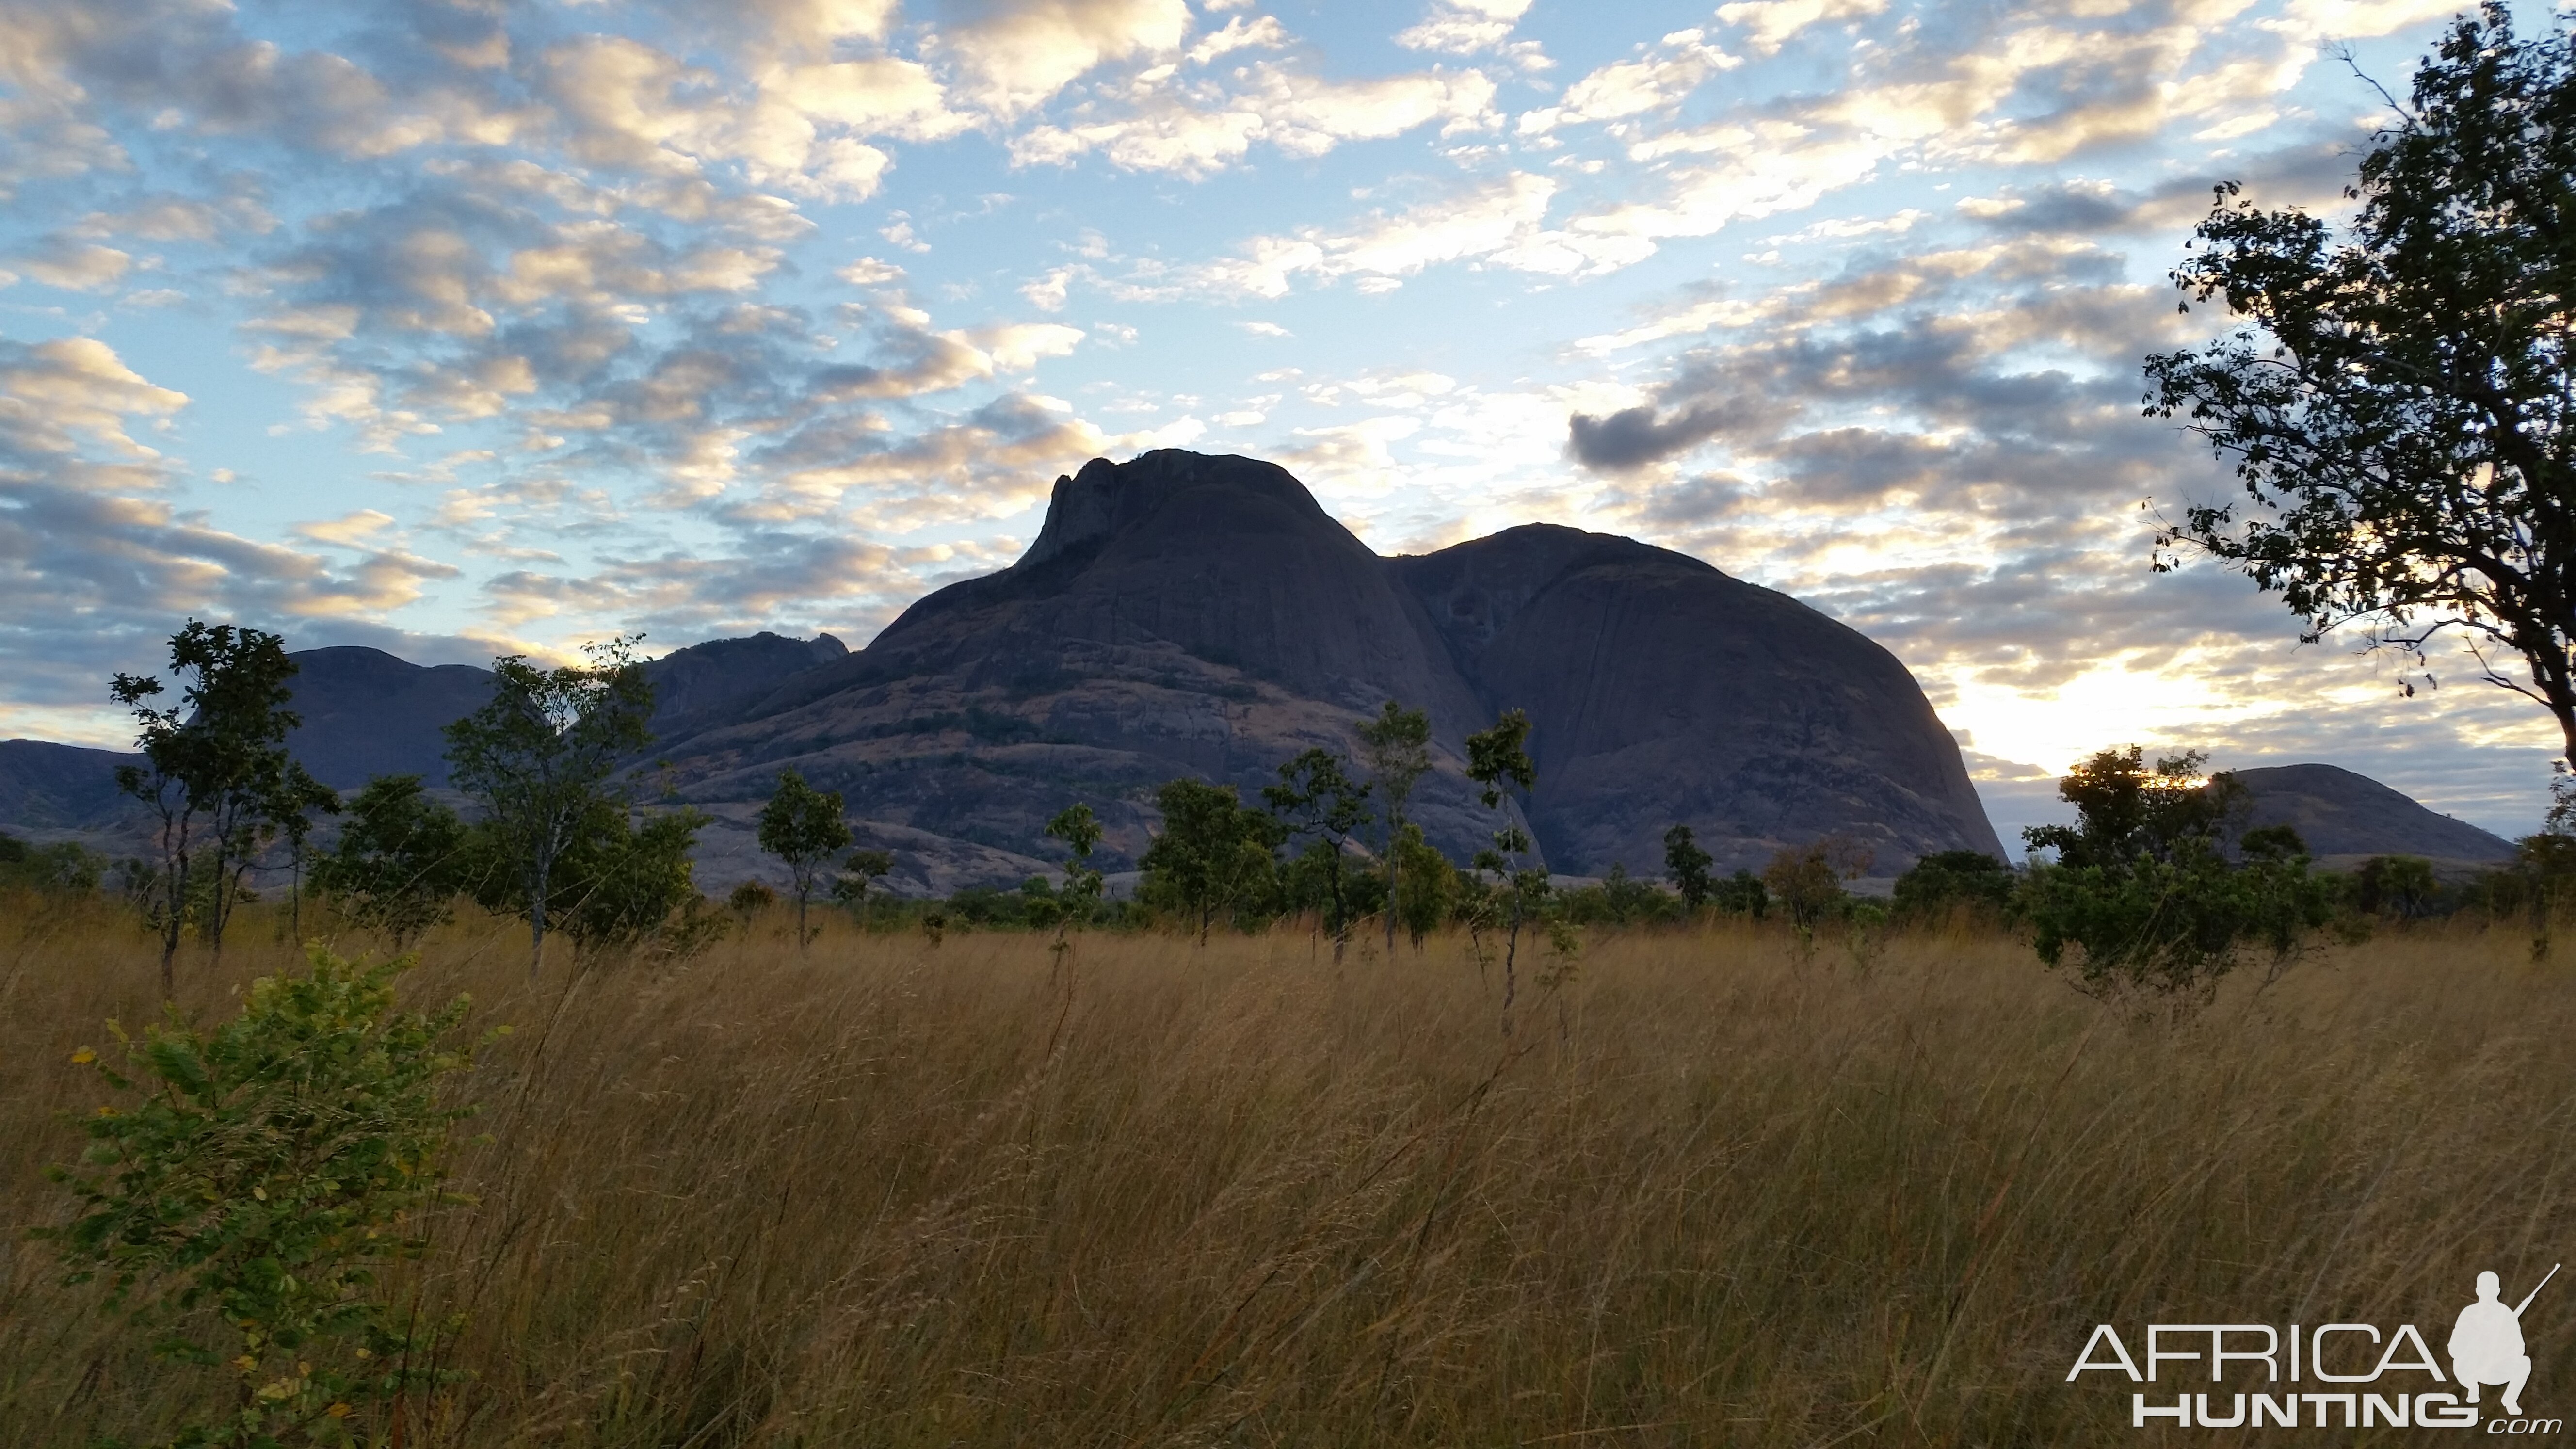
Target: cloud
(1197,128)
(1463,27)
(1769,24)
(1501,221)
(1016,54)
(1671,69)
(73,266)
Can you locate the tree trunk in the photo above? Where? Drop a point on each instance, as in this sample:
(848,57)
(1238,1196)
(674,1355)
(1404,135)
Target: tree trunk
(801,938)
(537,926)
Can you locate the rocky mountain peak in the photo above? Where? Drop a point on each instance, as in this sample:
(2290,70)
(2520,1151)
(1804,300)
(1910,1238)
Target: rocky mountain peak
(1106,498)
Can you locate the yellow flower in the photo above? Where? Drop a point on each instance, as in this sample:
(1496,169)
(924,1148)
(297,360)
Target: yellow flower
(107,1111)
(246,1362)
(338,1411)
(84,1057)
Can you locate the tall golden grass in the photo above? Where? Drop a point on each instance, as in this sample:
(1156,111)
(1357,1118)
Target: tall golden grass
(1710,1191)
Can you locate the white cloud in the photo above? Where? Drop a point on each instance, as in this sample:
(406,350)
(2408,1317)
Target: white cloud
(1670,70)
(1463,27)
(1013,56)
(74,266)
(1767,24)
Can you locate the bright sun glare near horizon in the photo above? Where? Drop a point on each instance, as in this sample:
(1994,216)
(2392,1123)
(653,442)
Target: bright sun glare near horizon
(456,328)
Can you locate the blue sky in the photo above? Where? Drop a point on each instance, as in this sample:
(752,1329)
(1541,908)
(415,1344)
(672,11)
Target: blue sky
(464,328)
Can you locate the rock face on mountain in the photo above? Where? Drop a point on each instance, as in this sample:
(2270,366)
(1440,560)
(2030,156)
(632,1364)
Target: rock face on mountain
(1663,690)
(1182,614)
(2344,815)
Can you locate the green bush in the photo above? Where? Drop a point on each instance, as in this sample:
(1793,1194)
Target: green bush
(401,860)
(1948,881)
(2173,926)
(241,1199)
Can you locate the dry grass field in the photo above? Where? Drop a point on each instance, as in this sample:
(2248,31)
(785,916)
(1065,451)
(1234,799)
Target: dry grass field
(1708,1193)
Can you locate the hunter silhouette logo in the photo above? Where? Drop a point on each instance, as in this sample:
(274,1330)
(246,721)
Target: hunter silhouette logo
(2486,1343)
(2334,1375)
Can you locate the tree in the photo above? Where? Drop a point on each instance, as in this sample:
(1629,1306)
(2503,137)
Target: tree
(2402,886)
(242,1195)
(1317,798)
(1686,866)
(2125,810)
(2141,891)
(1080,831)
(804,827)
(215,772)
(1953,880)
(1428,883)
(400,861)
(2398,402)
(1498,760)
(1808,879)
(1397,748)
(297,798)
(1741,894)
(862,870)
(1214,855)
(621,883)
(538,756)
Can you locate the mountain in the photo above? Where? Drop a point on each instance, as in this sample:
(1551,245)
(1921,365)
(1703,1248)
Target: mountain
(45,786)
(368,713)
(2344,816)
(1189,615)
(1184,614)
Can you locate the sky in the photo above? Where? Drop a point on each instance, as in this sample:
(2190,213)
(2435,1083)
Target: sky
(462,329)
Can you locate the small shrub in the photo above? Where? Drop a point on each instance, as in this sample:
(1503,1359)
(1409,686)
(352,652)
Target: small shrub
(241,1200)
(750,898)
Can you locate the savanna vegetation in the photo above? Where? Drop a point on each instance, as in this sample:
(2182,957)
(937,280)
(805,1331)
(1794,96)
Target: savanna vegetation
(874,1188)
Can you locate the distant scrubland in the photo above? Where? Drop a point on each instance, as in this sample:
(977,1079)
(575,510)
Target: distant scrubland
(1718,1185)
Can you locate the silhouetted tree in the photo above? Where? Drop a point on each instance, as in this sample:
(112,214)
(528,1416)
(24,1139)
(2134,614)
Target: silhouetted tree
(862,870)
(401,859)
(1808,879)
(1397,748)
(538,758)
(1429,884)
(2400,402)
(1498,760)
(1316,797)
(2141,891)
(2125,810)
(215,772)
(1951,880)
(1214,854)
(1686,866)
(804,827)
(1080,831)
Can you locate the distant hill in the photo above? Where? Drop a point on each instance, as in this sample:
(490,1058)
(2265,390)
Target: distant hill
(2341,815)
(47,786)
(368,713)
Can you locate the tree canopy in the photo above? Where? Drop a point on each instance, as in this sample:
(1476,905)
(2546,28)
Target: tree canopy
(2396,399)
